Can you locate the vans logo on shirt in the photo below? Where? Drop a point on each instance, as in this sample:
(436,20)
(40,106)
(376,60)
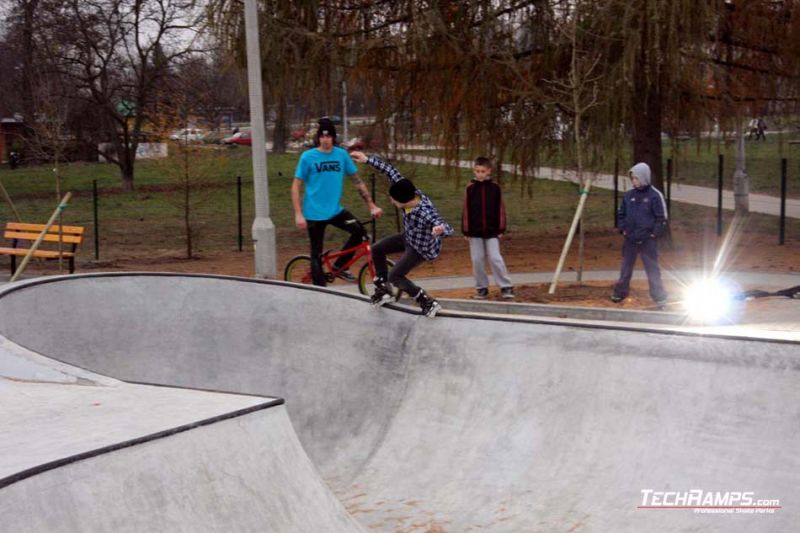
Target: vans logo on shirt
(328,166)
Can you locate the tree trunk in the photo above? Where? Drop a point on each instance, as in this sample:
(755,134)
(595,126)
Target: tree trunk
(646,106)
(581,253)
(57,177)
(187,222)
(279,132)
(28,48)
(647,134)
(126,169)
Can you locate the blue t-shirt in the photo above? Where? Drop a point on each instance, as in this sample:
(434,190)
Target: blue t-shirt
(323,176)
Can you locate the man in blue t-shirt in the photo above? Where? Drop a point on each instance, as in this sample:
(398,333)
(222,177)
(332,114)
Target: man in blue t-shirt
(321,172)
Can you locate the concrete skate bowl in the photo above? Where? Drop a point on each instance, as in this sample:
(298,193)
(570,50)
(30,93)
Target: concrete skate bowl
(460,423)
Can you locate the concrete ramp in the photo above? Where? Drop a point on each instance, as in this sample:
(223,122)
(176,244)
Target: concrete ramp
(83,452)
(460,423)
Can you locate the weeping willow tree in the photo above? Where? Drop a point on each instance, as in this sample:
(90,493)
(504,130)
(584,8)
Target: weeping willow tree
(472,75)
(450,67)
(755,72)
(302,52)
(680,66)
(443,69)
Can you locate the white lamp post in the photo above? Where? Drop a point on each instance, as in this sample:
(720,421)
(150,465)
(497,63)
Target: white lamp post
(263,229)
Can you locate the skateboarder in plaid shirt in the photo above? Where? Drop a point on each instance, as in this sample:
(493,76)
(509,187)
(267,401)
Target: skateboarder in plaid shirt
(420,240)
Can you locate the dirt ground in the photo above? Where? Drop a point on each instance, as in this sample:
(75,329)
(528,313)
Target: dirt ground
(750,252)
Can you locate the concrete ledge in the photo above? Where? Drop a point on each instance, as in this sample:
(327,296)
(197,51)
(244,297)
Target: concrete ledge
(563,311)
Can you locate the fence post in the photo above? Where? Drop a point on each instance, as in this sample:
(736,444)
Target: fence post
(782,223)
(616,189)
(669,186)
(720,163)
(96,221)
(239,209)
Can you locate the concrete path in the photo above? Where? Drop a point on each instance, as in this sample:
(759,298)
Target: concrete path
(690,194)
(464,422)
(747,280)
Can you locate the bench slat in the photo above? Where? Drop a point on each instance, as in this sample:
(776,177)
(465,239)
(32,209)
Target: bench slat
(49,237)
(22,231)
(47,254)
(23,226)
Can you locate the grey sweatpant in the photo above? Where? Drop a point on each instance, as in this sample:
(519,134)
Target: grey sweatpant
(479,250)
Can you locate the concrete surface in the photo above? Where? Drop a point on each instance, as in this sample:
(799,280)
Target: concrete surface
(463,422)
(84,452)
(778,314)
(247,473)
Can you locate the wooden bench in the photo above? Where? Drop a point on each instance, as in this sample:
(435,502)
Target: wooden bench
(71,236)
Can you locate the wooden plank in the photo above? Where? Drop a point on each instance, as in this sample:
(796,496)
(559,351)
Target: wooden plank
(50,237)
(47,254)
(24,226)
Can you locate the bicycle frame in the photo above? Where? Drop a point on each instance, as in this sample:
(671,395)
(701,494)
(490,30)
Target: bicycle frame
(363,249)
(366,272)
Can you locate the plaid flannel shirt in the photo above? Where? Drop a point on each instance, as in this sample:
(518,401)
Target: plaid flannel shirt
(418,221)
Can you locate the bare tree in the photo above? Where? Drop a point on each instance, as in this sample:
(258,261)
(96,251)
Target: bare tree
(469,74)
(579,91)
(755,69)
(300,51)
(191,165)
(116,53)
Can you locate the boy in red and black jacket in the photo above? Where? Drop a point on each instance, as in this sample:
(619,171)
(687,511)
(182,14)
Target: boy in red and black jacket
(483,223)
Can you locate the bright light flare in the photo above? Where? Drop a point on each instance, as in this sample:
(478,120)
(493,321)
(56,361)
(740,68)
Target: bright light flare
(708,300)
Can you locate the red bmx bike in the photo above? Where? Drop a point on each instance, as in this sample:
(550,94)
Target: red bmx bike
(298,269)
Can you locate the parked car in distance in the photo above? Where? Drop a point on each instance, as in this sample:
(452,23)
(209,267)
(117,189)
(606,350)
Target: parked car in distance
(214,137)
(242,137)
(297,135)
(188,135)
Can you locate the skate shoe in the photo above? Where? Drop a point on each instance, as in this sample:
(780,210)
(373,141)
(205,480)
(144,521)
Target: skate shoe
(383,292)
(428,305)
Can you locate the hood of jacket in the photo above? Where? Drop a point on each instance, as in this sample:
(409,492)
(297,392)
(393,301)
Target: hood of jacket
(641,171)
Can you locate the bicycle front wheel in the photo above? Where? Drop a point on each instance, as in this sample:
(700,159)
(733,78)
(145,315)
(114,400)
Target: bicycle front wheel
(298,270)
(365,285)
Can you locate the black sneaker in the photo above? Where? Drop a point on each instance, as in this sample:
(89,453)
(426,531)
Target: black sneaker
(383,292)
(481,294)
(347,276)
(428,305)
(507,293)
(661,304)
(617,299)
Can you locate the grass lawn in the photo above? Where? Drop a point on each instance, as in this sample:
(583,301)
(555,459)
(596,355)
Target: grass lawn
(695,162)
(149,220)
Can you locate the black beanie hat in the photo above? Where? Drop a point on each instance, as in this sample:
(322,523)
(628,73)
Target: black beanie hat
(403,191)
(326,128)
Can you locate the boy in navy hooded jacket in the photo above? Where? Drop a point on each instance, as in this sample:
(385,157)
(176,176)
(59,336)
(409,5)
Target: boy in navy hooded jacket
(641,218)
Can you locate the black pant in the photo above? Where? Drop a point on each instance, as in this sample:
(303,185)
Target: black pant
(316,233)
(409,260)
(648,249)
